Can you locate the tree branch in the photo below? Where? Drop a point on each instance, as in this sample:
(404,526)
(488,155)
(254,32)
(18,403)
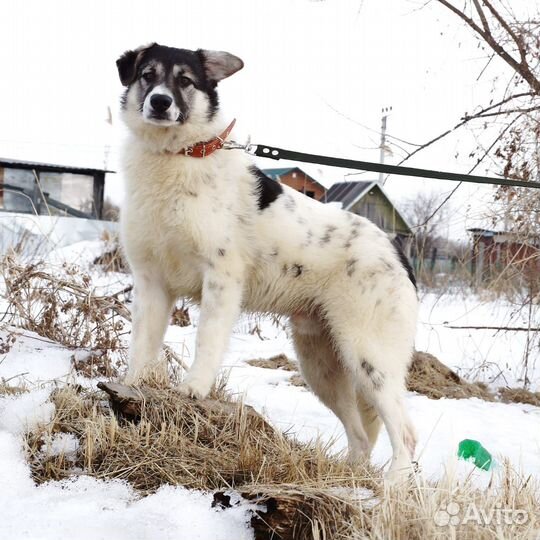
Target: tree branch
(517,66)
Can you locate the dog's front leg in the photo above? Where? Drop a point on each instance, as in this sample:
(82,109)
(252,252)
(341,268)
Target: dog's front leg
(152,308)
(220,307)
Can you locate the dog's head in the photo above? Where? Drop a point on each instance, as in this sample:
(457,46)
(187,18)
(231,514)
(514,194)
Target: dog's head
(173,87)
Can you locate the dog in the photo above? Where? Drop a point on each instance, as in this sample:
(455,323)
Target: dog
(203,223)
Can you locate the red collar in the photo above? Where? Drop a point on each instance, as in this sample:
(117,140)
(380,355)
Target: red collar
(203,149)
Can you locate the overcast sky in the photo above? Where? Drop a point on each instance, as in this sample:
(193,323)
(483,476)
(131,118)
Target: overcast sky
(316,76)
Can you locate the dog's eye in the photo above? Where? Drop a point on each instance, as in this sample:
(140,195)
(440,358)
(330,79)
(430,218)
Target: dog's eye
(148,76)
(185,81)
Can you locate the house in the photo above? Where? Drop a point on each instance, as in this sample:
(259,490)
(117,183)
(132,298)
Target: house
(493,251)
(297,179)
(40,188)
(368,199)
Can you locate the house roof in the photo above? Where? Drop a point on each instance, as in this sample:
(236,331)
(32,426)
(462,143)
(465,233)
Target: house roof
(49,167)
(349,193)
(275,174)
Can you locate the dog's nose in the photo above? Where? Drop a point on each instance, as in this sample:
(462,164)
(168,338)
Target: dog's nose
(160,102)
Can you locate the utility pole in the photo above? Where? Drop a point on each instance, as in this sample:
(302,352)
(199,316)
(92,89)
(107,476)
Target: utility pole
(385,113)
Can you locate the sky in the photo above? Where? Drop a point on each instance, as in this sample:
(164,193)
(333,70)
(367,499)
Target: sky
(317,75)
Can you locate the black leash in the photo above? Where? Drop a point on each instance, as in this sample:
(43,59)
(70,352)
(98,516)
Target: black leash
(279,153)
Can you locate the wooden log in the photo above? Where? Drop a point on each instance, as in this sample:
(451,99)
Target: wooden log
(127,402)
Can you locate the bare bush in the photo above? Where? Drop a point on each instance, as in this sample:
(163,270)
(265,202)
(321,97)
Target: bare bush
(63,308)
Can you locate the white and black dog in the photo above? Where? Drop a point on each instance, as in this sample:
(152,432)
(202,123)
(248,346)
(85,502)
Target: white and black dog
(203,223)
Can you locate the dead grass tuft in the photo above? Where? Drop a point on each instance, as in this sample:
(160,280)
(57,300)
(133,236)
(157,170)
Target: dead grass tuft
(91,365)
(198,444)
(430,377)
(9,390)
(180,316)
(279,361)
(519,395)
(64,308)
(113,260)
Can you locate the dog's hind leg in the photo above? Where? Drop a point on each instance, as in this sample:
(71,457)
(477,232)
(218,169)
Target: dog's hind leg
(331,383)
(377,359)
(370,419)
(383,387)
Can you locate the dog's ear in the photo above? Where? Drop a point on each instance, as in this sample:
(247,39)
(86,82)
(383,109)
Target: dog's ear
(128,63)
(219,64)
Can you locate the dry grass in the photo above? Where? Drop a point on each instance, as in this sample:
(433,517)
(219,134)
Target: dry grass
(62,308)
(306,493)
(113,260)
(519,395)
(279,361)
(430,377)
(92,365)
(179,441)
(180,316)
(7,389)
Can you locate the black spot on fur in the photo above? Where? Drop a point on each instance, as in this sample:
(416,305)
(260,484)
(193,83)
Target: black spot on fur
(351,266)
(375,376)
(367,367)
(297,270)
(268,190)
(221,252)
(214,285)
(275,252)
(404,261)
(309,238)
(290,203)
(327,236)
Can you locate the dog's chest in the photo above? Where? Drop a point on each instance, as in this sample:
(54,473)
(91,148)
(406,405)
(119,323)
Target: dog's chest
(176,215)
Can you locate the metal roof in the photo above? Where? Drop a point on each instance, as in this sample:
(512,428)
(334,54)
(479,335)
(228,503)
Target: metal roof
(50,167)
(274,173)
(347,193)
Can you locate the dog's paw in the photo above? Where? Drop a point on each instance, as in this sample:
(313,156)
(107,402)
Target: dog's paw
(193,388)
(132,379)
(396,476)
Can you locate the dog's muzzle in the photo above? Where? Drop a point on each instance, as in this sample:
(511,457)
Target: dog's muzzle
(160,103)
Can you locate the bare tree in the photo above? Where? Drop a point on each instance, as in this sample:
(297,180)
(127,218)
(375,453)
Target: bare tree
(428,231)
(514,106)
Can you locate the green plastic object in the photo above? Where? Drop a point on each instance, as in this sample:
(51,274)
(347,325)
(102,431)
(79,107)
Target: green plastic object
(471,450)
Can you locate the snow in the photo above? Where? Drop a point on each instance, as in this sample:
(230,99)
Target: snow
(25,412)
(44,235)
(34,358)
(86,508)
(65,444)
